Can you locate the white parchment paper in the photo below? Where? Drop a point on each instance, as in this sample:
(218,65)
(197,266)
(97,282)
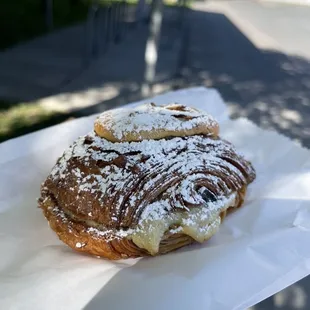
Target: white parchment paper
(259,250)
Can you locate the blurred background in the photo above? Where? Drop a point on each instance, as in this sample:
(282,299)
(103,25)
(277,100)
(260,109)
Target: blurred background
(63,59)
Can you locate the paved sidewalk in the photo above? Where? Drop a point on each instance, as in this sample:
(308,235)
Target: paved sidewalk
(227,48)
(267,85)
(39,67)
(116,77)
(55,64)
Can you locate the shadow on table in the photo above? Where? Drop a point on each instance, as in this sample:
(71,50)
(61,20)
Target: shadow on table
(123,291)
(141,285)
(269,87)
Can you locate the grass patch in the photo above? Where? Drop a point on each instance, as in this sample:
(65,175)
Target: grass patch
(17,120)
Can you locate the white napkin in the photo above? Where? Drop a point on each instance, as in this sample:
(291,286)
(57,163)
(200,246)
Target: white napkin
(259,250)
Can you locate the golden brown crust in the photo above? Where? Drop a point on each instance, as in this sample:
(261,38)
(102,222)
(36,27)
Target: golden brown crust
(155,134)
(153,123)
(75,235)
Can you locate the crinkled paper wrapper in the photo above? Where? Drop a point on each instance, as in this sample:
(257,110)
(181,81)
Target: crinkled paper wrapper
(259,250)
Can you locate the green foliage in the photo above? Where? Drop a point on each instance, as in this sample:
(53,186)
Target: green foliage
(19,119)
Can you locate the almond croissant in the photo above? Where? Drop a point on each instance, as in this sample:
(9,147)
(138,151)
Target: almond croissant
(145,181)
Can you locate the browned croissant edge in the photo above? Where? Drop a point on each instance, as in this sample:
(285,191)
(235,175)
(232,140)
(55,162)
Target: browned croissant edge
(75,234)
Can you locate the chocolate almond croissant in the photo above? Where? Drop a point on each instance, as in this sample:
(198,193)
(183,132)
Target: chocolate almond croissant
(145,181)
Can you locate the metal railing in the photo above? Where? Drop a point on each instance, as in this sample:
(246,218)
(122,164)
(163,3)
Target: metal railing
(105,25)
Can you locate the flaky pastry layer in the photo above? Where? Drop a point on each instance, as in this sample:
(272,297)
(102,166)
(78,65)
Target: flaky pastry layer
(83,238)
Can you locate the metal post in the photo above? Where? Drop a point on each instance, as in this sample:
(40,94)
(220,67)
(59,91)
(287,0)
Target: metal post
(118,22)
(90,33)
(151,50)
(125,18)
(106,27)
(113,21)
(109,25)
(184,33)
(97,49)
(49,19)
(140,11)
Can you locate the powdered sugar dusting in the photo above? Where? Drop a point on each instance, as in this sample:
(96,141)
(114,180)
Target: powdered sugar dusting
(128,184)
(150,117)
(109,234)
(79,245)
(155,161)
(156,211)
(176,230)
(161,211)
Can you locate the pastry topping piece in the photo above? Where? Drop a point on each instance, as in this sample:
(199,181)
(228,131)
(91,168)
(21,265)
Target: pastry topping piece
(150,121)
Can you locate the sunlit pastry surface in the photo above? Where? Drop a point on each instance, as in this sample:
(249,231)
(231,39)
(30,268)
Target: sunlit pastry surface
(144,181)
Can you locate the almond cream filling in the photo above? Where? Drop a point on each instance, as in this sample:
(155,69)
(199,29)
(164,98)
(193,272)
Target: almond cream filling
(198,223)
(150,235)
